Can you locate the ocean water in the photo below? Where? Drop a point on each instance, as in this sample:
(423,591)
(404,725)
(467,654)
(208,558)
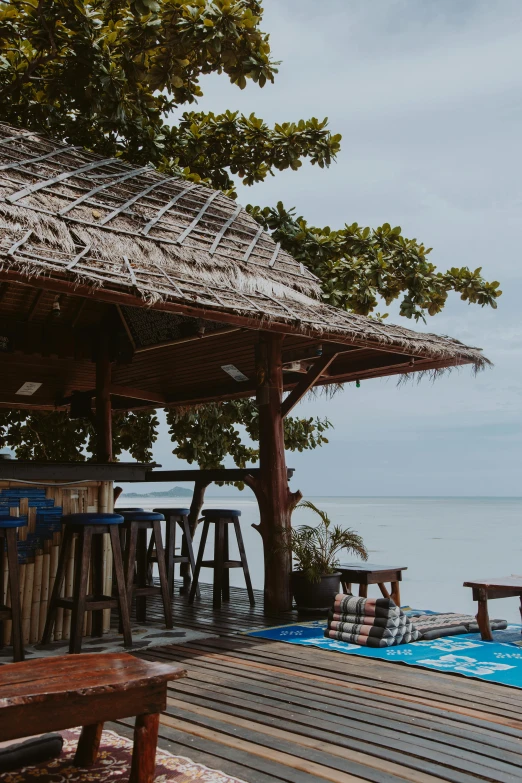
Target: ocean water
(443,542)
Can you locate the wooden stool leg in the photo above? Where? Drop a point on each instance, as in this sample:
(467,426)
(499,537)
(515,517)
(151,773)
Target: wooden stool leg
(60,575)
(188,576)
(3,598)
(242,555)
(81,567)
(396,593)
(170,549)
(219,541)
(97,582)
(483,617)
(14,584)
(363,591)
(346,587)
(144,753)
(187,544)
(162,568)
(150,564)
(130,561)
(141,574)
(225,589)
(88,745)
(384,590)
(120,586)
(201,553)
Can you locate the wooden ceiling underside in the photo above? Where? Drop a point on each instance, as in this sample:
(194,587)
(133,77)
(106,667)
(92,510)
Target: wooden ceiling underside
(59,352)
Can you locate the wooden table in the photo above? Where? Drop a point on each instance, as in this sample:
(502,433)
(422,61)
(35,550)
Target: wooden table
(53,694)
(364,574)
(484,589)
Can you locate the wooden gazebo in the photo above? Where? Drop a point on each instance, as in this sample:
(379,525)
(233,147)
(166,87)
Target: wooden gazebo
(131,289)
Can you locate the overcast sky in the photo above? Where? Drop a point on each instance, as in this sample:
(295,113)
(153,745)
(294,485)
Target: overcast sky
(427,96)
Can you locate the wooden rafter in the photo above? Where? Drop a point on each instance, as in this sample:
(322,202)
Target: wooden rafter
(306,382)
(116,181)
(138,394)
(253,243)
(78,257)
(34,304)
(18,244)
(223,229)
(46,183)
(159,214)
(131,201)
(193,224)
(274,255)
(37,159)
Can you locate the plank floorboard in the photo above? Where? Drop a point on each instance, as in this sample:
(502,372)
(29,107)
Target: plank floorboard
(265,711)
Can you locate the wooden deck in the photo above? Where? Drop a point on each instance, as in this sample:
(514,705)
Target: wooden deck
(266,711)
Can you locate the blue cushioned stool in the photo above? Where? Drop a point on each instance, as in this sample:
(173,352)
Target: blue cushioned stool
(89,530)
(8,540)
(221,518)
(138,581)
(175,517)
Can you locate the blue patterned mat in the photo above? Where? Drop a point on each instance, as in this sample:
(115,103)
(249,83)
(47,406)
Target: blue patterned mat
(498,661)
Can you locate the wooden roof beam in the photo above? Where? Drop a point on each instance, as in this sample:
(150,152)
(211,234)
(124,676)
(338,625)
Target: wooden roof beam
(138,394)
(128,392)
(306,383)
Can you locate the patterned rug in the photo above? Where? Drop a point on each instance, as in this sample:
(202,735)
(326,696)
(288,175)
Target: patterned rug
(113,766)
(497,661)
(143,637)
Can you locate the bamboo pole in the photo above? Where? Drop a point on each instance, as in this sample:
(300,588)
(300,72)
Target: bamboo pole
(69,582)
(8,624)
(27,602)
(36,598)
(44,599)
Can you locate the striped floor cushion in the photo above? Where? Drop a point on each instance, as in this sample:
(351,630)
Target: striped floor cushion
(365,607)
(371,635)
(434,626)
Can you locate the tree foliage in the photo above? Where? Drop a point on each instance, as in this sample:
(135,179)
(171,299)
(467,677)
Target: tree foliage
(207,434)
(359,266)
(42,435)
(106,75)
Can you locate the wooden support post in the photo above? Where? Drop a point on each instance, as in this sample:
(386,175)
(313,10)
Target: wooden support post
(103,402)
(276,501)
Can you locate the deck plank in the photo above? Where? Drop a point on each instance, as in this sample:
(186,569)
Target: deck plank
(263,710)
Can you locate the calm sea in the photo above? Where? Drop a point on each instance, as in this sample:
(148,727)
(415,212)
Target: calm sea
(442,541)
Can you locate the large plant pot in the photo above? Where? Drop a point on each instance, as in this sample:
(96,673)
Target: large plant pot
(315,597)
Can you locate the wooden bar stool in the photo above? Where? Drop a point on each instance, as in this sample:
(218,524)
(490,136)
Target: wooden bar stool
(175,517)
(8,539)
(89,551)
(221,563)
(138,582)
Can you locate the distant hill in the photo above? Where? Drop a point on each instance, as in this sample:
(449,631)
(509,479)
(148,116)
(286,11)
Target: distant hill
(175,492)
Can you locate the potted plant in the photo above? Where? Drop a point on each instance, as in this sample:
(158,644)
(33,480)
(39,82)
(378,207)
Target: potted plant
(315,580)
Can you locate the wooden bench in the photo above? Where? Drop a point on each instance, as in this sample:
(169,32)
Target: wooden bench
(364,574)
(53,694)
(487,589)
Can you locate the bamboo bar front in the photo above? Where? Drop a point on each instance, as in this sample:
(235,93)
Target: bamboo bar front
(38,549)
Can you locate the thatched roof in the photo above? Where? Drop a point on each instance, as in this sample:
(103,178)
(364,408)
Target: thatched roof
(69,216)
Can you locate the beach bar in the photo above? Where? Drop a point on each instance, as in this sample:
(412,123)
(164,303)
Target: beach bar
(125,289)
